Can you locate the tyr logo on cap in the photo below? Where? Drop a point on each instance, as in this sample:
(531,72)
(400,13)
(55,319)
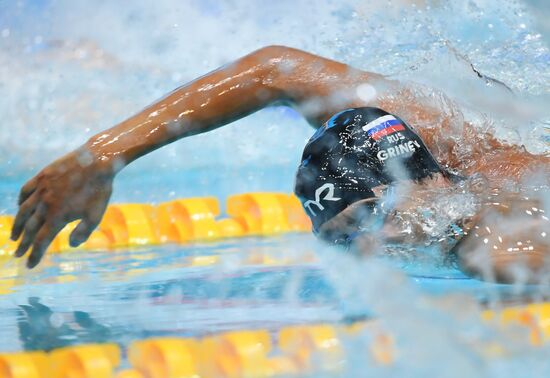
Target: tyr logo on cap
(329,196)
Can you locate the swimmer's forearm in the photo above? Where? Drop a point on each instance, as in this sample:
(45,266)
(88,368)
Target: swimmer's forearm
(269,75)
(204,104)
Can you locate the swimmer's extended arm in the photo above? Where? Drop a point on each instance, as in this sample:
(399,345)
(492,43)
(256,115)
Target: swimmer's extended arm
(78,185)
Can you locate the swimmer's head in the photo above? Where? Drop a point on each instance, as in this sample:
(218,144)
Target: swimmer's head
(355,153)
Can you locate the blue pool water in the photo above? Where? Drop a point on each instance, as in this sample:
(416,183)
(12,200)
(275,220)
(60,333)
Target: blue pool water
(71,68)
(131,294)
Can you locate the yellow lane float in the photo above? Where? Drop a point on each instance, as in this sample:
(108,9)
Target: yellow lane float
(166,357)
(297,219)
(98,240)
(130,224)
(24,365)
(231,228)
(6,221)
(238,354)
(130,373)
(315,345)
(262,213)
(7,247)
(85,361)
(534,316)
(189,219)
(181,221)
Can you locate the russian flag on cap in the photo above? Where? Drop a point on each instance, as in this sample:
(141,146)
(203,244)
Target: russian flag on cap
(383,126)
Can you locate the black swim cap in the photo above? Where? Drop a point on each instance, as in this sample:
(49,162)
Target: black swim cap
(353,152)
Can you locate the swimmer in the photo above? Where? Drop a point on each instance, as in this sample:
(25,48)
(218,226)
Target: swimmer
(369,144)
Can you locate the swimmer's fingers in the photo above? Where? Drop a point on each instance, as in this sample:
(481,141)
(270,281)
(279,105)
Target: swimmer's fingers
(32,226)
(26,210)
(92,217)
(27,190)
(43,239)
(82,232)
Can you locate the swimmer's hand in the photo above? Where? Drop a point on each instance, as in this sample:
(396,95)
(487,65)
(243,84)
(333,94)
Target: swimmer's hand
(76,186)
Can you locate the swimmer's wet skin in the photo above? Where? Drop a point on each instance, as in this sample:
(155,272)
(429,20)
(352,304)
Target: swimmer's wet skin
(78,185)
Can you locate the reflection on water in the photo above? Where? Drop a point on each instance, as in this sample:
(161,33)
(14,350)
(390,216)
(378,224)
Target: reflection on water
(191,291)
(42,329)
(200,289)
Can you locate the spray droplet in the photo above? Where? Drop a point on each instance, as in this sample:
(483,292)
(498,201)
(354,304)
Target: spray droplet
(366,92)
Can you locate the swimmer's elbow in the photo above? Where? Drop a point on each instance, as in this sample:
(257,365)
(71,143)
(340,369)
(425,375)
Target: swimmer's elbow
(271,52)
(288,72)
(282,60)
(275,62)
